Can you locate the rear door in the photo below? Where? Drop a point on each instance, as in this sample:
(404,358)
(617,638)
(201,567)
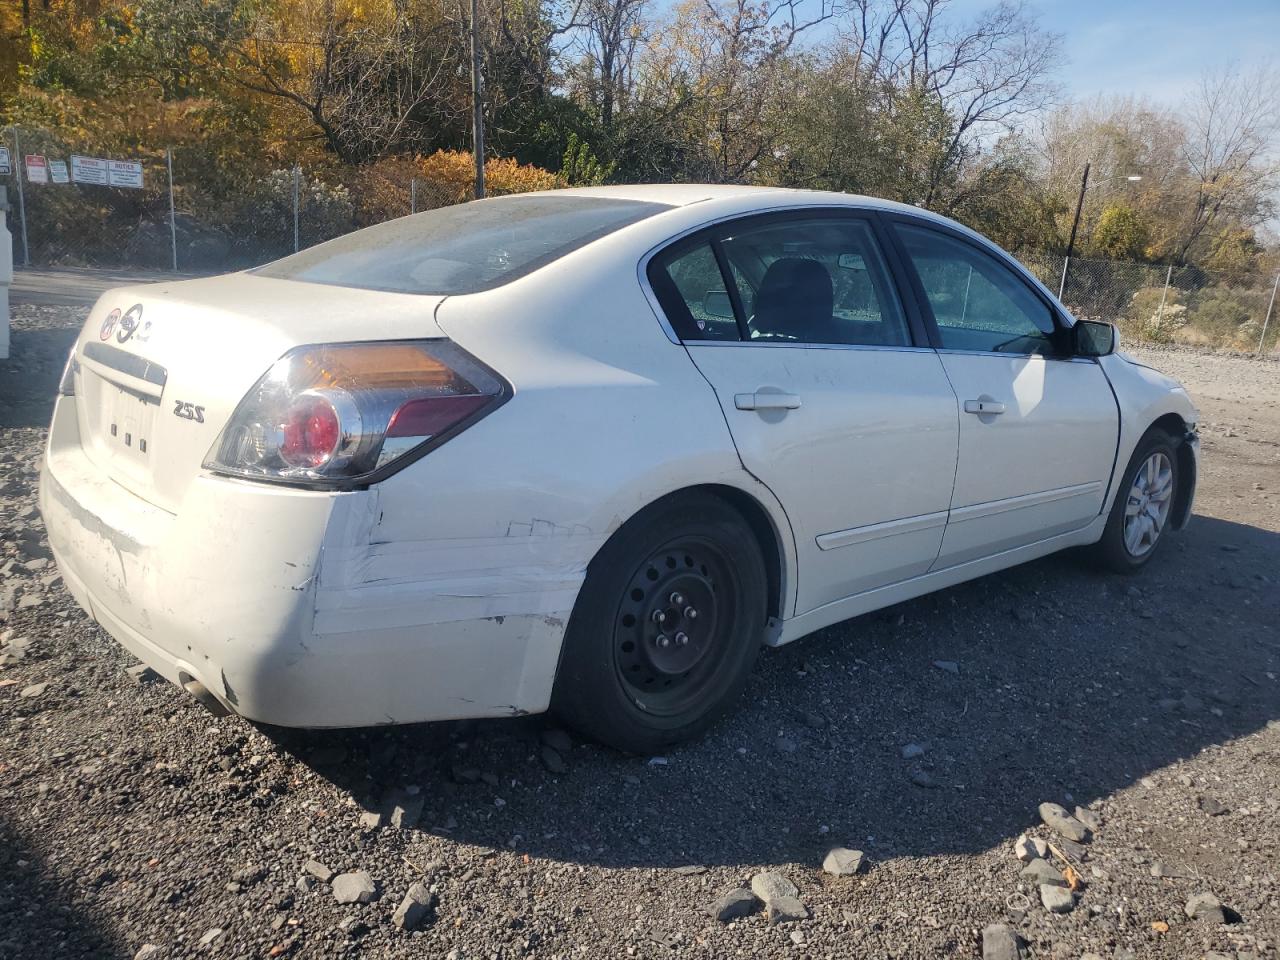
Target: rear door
(832,401)
(1038,426)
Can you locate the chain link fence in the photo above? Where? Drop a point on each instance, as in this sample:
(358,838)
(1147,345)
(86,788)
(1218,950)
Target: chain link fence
(175,210)
(1162,304)
(75,206)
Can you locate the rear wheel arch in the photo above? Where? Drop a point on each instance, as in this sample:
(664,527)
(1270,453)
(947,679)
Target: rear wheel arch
(770,529)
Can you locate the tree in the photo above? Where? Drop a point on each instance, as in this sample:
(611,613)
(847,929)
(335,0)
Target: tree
(1231,149)
(1121,234)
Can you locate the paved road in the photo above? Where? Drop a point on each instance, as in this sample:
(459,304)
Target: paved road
(70,287)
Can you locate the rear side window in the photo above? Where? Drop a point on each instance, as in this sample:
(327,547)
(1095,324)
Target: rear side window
(695,293)
(465,248)
(803,280)
(815,280)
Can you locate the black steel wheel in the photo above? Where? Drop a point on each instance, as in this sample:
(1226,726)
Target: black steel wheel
(667,625)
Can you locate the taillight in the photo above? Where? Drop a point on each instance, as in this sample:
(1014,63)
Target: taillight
(338,414)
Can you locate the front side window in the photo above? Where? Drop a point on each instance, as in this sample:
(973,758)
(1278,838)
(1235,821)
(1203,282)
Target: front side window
(465,248)
(814,280)
(978,302)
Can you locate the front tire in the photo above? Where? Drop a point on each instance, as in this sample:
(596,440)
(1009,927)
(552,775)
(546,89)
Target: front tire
(1139,519)
(667,626)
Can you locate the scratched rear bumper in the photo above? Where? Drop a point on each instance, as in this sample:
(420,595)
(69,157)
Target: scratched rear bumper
(227,591)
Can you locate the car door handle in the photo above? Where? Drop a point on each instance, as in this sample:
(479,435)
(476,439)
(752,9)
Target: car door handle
(983,406)
(766,401)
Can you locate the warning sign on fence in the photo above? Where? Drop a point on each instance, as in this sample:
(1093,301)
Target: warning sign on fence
(88,170)
(37,168)
(58,171)
(6,165)
(124,173)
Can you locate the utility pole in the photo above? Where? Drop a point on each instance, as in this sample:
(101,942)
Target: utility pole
(1071,244)
(477,102)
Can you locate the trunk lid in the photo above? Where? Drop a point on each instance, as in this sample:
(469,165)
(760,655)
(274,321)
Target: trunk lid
(163,366)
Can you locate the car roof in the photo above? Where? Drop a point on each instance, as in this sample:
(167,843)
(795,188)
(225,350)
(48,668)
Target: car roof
(684,194)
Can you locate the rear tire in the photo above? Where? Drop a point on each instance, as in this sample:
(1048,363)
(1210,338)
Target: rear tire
(1140,517)
(666,628)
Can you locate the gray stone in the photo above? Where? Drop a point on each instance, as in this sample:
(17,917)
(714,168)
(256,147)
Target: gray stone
(999,942)
(785,909)
(35,690)
(734,904)
(354,887)
(141,673)
(947,666)
(1071,848)
(148,951)
(1090,818)
(923,778)
(557,740)
(843,862)
(552,760)
(1056,899)
(912,751)
(210,936)
(415,905)
(770,886)
(1213,806)
(370,819)
(304,884)
(406,809)
(318,870)
(1043,872)
(1028,848)
(1057,819)
(1206,907)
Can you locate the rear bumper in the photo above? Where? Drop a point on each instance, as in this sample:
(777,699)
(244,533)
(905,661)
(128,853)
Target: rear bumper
(227,592)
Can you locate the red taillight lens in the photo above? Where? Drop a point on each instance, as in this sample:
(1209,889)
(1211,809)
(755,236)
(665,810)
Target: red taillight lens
(342,413)
(311,432)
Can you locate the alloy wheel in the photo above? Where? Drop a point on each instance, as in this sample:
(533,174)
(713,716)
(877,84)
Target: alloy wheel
(1148,505)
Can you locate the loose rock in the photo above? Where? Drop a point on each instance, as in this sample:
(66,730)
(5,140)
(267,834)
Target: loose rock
(1056,899)
(354,887)
(999,942)
(785,909)
(552,760)
(1028,848)
(1042,872)
(843,862)
(769,886)
(415,905)
(1206,907)
(1057,819)
(318,870)
(734,904)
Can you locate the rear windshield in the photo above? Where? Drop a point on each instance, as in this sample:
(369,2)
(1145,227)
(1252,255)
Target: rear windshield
(462,249)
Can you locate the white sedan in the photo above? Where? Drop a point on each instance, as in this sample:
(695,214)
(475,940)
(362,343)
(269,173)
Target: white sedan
(585,450)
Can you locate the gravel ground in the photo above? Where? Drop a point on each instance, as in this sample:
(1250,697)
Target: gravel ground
(926,736)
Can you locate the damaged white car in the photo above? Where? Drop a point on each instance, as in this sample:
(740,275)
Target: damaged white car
(585,450)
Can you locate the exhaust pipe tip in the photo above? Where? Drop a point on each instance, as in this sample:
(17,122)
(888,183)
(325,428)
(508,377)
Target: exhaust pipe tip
(206,698)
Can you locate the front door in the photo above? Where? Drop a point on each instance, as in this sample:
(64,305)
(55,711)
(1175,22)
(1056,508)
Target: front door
(830,401)
(1038,427)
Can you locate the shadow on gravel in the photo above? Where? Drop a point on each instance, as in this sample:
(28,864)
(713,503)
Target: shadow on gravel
(29,378)
(1068,684)
(28,886)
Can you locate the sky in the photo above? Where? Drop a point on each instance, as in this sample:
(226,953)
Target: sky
(1153,48)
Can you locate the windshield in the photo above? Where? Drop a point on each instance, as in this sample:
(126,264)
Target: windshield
(465,248)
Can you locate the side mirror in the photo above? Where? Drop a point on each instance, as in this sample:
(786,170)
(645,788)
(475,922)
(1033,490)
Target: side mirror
(1094,338)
